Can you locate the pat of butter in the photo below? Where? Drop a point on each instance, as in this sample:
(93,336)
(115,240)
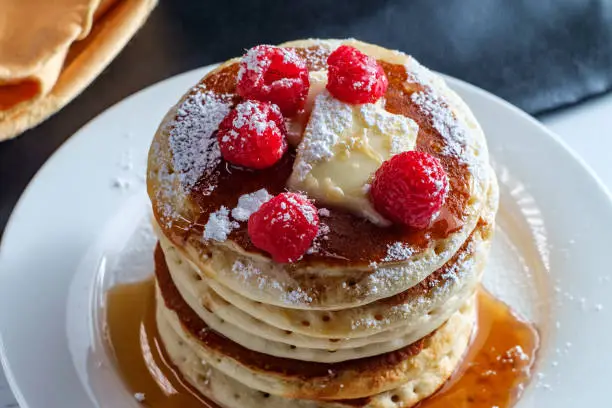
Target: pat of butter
(342,147)
(297,124)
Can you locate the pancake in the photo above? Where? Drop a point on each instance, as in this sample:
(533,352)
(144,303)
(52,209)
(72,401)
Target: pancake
(311,380)
(408,316)
(421,373)
(263,338)
(230,393)
(50,51)
(187,181)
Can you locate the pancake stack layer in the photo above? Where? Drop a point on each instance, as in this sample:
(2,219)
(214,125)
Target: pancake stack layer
(371,316)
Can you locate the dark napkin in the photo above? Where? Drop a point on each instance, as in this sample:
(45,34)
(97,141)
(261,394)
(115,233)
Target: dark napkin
(538,54)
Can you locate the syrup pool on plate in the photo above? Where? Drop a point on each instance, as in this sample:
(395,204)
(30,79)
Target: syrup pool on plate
(494,372)
(138,352)
(498,364)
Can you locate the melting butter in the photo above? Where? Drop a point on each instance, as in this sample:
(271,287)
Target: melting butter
(342,147)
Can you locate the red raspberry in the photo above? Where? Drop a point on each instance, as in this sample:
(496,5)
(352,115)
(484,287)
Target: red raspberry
(253,135)
(284,226)
(355,77)
(276,75)
(410,188)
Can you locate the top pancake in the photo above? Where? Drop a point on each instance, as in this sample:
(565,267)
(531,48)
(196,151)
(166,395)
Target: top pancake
(188,180)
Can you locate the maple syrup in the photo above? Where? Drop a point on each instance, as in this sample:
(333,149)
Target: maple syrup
(498,364)
(138,351)
(493,374)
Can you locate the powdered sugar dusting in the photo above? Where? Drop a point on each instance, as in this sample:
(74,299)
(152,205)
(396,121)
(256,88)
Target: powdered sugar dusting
(249,273)
(398,251)
(252,62)
(399,127)
(219,225)
(291,57)
(257,60)
(454,273)
(443,121)
(384,278)
(307,209)
(323,212)
(419,74)
(194,149)
(250,203)
(166,193)
(249,114)
(329,119)
(322,235)
(316,57)
(250,118)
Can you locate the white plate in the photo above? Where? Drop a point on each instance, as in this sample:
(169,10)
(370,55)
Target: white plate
(80,226)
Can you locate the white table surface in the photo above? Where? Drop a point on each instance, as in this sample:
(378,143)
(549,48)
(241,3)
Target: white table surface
(586,128)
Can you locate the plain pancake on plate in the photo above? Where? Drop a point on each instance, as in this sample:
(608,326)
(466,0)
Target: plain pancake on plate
(39,74)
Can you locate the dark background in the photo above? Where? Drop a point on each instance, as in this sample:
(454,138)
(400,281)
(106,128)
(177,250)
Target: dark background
(538,54)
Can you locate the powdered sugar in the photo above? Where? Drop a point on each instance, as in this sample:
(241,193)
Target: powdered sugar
(250,203)
(398,251)
(252,62)
(257,60)
(329,119)
(165,194)
(443,121)
(323,212)
(384,279)
(322,235)
(399,127)
(250,114)
(419,74)
(219,225)
(194,149)
(249,273)
(307,209)
(316,57)
(291,57)
(446,123)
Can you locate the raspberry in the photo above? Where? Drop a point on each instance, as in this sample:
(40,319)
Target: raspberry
(410,188)
(355,77)
(253,135)
(274,74)
(284,226)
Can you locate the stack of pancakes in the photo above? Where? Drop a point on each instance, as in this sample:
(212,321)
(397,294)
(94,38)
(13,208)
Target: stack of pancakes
(371,316)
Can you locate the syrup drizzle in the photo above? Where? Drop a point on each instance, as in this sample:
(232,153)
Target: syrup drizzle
(494,373)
